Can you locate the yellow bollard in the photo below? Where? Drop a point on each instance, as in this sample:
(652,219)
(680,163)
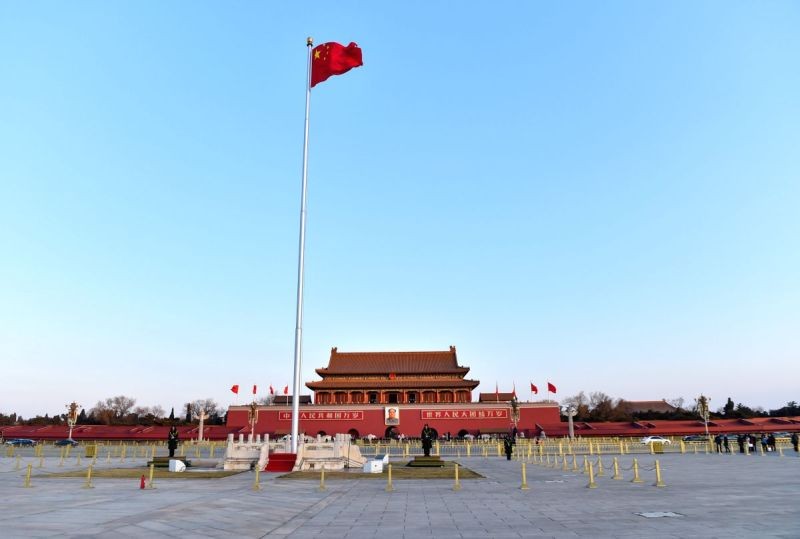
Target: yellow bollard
(616,475)
(636,478)
(150,483)
(591,484)
(524,479)
(574,463)
(88,483)
(591,450)
(600,472)
(457,484)
(683,447)
(322,480)
(211,451)
(564,465)
(389,486)
(61,460)
(257,480)
(780,450)
(469,449)
(659,482)
(485,452)
(621,448)
(108,456)
(652,449)
(27,483)
(152,452)
(585,465)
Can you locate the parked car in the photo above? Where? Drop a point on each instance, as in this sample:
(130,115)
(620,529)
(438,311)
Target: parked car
(695,438)
(655,439)
(68,441)
(19,442)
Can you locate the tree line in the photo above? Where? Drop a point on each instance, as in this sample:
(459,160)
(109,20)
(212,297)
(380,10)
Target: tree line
(597,406)
(122,410)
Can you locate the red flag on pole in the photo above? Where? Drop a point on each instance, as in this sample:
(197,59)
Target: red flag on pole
(534,389)
(254,389)
(235,388)
(286,390)
(271,390)
(551,388)
(331,59)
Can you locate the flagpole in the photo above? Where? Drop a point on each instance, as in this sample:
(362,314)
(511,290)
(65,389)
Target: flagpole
(298,331)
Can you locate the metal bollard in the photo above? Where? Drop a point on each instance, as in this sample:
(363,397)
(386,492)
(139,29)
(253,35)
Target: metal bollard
(322,480)
(389,486)
(524,479)
(636,478)
(150,483)
(27,483)
(574,463)
(256,480)
(600,472)
(591,484)
(659,482)
(585,465)
(88,483)
(564,464)
(457,484)
(616,475)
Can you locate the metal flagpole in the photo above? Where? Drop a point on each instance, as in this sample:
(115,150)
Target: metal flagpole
(298,330)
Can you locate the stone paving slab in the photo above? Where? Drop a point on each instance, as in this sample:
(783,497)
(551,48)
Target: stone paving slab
(713,496)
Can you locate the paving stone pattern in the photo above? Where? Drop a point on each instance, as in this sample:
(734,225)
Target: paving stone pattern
(705,496)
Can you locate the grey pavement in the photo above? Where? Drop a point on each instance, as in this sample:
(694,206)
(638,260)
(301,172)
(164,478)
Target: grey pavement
(705,496)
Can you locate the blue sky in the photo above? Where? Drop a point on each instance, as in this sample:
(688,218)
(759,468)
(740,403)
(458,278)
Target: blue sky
(599,195)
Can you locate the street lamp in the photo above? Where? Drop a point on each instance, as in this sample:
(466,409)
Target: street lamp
(72,416)
(702,409)
(571,412)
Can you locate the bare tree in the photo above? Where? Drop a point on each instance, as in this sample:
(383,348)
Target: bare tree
(209,406)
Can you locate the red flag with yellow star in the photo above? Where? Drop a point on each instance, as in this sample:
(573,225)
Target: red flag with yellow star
(333,58)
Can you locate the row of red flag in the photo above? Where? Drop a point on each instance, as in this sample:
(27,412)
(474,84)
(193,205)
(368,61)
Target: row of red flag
(235,389)
(550,389)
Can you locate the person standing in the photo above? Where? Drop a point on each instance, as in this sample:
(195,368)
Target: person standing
(172,440)
(427,439)
(508,445)
(795,439)
(718,442)
(726,444)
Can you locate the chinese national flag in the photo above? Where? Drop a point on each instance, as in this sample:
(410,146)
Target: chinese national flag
(331,59)
(235,388)
(534,389)
(286,390)
(551,388)
(254,389)
(271,391)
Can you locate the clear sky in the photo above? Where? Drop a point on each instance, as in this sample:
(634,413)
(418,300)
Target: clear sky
(602,195)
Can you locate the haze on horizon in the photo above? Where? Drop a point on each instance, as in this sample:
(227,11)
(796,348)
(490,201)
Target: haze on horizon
(600,196)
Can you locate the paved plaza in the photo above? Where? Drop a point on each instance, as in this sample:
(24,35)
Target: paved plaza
(705,496)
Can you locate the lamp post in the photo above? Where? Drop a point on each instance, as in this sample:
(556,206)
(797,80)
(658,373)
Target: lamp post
(72,416)
(252,417)
(571,412)
(702,409)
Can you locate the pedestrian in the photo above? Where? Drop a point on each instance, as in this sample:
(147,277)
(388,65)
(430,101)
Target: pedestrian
(726,444)
(764,444)
(771,442)
(172,441)
(718,442)
(508,444)
(427,440)
(740,441)
(795,439)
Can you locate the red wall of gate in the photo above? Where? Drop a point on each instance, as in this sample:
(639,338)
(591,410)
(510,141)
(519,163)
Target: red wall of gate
(408,419)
